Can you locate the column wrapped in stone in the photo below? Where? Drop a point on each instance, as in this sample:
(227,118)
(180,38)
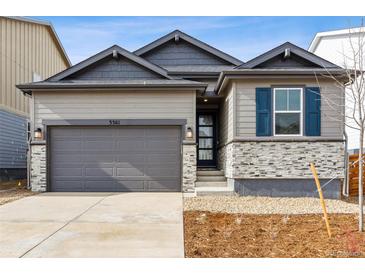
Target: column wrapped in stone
(189,168)
(38,170)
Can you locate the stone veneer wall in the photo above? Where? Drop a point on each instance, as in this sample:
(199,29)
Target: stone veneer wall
(38,172)
(189,168)
(287,160)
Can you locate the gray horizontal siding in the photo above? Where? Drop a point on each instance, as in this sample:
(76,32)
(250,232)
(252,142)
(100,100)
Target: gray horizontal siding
(115,69)
(331,125)
(13,140)
(181,53)
(114,105)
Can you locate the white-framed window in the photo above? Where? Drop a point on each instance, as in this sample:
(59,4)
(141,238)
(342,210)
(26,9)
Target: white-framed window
(288,111)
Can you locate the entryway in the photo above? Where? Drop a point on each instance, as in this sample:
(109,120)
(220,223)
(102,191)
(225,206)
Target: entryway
(207,139)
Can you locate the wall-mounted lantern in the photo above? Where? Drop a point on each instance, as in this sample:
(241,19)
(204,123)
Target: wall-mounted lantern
(189,133)
(38,135)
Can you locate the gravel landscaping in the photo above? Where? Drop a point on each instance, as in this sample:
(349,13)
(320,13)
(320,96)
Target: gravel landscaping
(266,205)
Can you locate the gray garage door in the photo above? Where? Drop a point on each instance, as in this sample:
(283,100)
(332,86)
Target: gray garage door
(115,158)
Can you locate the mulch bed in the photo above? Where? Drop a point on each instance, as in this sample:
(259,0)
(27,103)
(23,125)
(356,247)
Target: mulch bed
(215,235)
(13,190)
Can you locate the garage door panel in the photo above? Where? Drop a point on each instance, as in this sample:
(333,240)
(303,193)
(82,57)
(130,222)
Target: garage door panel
(130,132)
(67,145)
(71,131)
(67,171)
(131,185)
(130,145)
(75,185)
(162,171)
(115,158)
(161,185)
(67,157)
(129,160)
(99,171)
(99,145)
(161,158)
(98,157)
(129,172)
(157,145)
(94,133)
(165,133)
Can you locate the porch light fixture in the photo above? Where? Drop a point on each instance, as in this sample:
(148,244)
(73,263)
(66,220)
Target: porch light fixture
(38,134)
(205,100)
(189,133)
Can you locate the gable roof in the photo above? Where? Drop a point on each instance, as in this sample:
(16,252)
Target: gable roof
(177,34)
(51,28)
(334,33)
(103,54)
(293,49)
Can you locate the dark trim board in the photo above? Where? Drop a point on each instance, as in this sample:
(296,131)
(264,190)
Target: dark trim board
(115,122)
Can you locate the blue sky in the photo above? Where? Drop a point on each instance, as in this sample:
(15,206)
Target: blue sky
(242,37)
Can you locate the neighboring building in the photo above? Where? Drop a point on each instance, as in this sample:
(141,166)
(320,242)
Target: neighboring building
(29,51)
(334,46)
(180,115)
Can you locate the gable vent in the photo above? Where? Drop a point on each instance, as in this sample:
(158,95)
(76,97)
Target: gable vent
(177,38)
(115,54)
(287,53)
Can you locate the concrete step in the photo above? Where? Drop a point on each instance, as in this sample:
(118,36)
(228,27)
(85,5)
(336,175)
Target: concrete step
(214,191)
(212,178)
(208,183)
(210,172)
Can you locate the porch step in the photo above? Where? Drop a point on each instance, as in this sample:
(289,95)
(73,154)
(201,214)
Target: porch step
(211,178)
(209,172)
(214,191)
(212,184)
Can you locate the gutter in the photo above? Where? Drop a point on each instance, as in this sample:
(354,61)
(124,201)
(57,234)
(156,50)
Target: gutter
(27,89)
(242,74)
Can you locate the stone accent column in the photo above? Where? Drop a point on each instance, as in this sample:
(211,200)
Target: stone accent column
(38,171)
(189,167)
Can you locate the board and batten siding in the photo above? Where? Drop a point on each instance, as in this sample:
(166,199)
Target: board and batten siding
(226,116)
(331,125)
(25,48)
(114,105)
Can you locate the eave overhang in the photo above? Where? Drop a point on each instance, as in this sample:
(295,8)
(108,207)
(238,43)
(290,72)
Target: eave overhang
(226,76)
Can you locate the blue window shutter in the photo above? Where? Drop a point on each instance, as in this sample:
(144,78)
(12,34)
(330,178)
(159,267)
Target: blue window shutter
(312,111)
(263,112)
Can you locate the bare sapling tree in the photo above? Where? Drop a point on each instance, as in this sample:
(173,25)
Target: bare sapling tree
(351,102)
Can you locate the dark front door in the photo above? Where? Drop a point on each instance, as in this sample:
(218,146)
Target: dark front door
(206,139)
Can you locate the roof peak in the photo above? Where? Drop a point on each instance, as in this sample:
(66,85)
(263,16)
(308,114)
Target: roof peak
(301,52)
(192,40)
(102,55)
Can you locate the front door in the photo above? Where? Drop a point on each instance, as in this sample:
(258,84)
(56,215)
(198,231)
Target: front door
(206,139)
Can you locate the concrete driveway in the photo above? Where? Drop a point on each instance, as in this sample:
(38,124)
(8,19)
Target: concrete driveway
(93,225)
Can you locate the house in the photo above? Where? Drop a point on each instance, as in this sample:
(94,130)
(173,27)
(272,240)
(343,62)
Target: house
(181,115)
(30,50)
(335,46)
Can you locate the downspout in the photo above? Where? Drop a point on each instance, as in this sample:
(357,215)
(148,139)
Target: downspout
(345,189)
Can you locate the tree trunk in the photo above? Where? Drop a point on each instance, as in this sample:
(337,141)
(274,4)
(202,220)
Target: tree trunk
(361,196)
